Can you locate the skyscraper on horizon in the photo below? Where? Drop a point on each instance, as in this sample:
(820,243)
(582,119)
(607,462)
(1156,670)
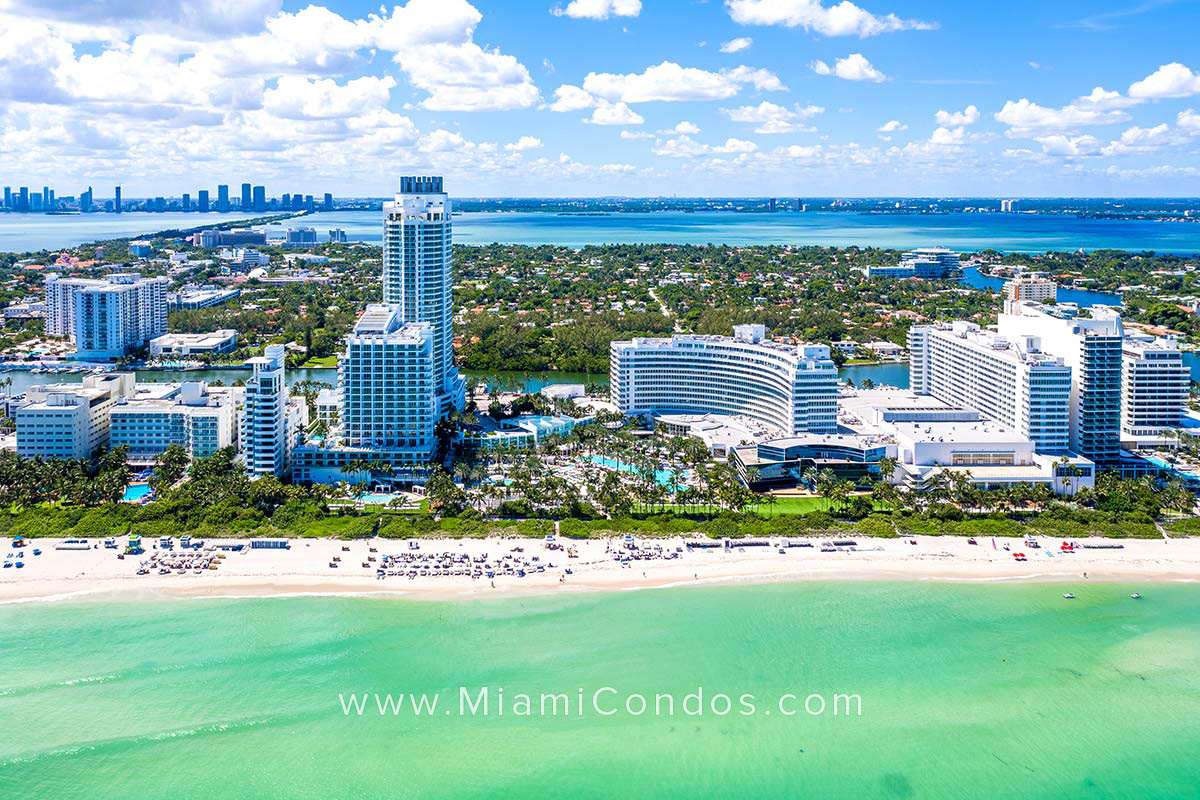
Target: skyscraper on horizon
(260,198)
(246,199)
(417,273)
(202,200)
(117,200)
(223,197)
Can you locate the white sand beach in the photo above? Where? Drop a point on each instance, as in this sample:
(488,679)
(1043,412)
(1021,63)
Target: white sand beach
(305,568)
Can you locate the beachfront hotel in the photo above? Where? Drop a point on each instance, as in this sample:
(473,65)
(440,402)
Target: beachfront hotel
(1154,390)
(923,434)
(1092,347)
(386,379)
(107,319)
(271,421)
(1011,380)
(788,388)
(69,420)
(396,376)
(155,416)
(418,274)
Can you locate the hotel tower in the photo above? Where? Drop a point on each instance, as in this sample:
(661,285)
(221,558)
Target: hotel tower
(417,274)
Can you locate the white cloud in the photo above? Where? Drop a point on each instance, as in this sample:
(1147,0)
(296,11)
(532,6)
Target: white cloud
(430,40)
(762,79)
(892,126)
(614,114)
(1169,80)
(524,143)
(1102,99)
(686,147)
(842,19)
(441,141)
(635,135)
(466,77)
(1025,117)
(736,45)
(1137,139)
(772,118)
(571,98)
(951,137)
(1069,146)
(301,98)
(950,119)
(854,67)
(683,127)
(1188,120)
(669,82)
(599,9)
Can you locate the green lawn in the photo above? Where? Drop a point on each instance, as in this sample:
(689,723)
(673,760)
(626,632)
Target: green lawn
(792,505)
(323,361)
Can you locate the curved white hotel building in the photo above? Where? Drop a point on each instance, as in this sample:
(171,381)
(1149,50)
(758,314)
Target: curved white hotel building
(791,388)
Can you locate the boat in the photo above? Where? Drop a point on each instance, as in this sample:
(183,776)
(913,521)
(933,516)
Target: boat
(1068,596)
(1136,595)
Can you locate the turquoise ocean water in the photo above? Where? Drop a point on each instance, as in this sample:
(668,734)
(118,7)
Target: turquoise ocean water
(983,691)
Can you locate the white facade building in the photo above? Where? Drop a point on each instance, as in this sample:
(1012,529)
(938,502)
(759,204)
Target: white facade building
(386,401)
(155,416)
(386,379)
(417,274)
(1155,386)
(106,318)
(1091,346)
(189,344)
(928,436)
(1033,287)
(930,263)
(270,421)
(791,388)
(69,420)
(1009,380)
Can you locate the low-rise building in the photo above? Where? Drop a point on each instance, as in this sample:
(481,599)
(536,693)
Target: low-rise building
(191,344)
(524,431)
(191,298)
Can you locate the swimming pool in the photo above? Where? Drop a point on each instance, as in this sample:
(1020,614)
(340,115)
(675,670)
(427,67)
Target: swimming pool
(664,476)
(136,492)
(376,498)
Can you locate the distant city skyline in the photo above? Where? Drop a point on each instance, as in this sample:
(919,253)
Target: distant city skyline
(608,97)
(253,198)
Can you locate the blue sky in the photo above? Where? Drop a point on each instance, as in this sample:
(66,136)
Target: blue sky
(587,97)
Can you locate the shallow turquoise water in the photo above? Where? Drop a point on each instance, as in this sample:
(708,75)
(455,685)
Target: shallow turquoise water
(967,691)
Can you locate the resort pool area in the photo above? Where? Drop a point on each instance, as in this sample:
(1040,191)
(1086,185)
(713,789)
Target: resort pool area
(664,476)
(136,492)
(377,498)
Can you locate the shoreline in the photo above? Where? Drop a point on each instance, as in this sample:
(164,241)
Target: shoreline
(304,569)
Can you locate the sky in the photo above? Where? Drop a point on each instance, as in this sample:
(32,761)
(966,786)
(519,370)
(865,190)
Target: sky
(605,97)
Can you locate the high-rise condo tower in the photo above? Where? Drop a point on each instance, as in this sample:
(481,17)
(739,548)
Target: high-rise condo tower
(417,274)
